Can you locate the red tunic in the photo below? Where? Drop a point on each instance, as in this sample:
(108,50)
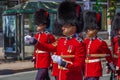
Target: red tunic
(93,67)
(71,46)
(118,62)
(118,65)
(115,49)
(117,53)
(42,56)
(55,70)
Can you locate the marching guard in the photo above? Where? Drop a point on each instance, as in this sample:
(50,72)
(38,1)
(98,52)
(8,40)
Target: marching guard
(41,58)
(57,32)
(70,51)
(116,43)
(96,48)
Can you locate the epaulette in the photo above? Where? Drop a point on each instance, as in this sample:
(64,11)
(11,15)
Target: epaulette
(100,39)
(70,37)
(79,39)
(55,43)
(47,32)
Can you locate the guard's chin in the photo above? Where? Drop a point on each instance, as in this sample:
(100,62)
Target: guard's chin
(64,33)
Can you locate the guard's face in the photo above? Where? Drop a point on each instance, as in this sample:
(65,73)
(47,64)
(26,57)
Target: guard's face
(68,29)
(118,31)
(40,27)
(91,32)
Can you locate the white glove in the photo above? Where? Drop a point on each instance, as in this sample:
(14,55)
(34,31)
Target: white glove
(57,59)
(117,68)
(28,39)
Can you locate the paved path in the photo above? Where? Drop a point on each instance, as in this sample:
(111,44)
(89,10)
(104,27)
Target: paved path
(16,66)
(10,65)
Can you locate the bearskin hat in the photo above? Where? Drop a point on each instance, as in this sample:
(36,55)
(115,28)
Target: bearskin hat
(116,22)
(70,13)
(41,17)
(92,20)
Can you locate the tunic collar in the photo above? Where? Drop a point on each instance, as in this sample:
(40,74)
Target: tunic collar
(93,38)
(44,31)
(70,37)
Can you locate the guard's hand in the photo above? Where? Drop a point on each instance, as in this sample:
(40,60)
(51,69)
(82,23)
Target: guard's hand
(33,59)
(57,59)
(28,39)
(117,70)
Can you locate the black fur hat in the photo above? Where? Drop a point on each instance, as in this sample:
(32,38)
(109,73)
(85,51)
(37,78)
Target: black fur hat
(70,13)
(116,22)
(92,20)
(41,17)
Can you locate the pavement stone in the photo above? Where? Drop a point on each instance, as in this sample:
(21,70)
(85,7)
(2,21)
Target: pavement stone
(9,66)
(16,66)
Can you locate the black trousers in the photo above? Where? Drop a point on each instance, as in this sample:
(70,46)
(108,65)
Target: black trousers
(92,78)
(42,74)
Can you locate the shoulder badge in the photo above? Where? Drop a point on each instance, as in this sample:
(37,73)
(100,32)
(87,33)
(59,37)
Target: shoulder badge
(47,32)
(100,39)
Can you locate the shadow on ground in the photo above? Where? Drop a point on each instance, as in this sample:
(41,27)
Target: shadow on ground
(9,71)
(6,71)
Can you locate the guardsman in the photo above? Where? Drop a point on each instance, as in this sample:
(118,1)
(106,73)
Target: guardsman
(116,42)
(96,48)
(70,51)
(57,32)
(42,58)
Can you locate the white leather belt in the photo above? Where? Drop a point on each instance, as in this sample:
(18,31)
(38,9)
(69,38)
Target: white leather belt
(92,61)
(40,51)
(115,56)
